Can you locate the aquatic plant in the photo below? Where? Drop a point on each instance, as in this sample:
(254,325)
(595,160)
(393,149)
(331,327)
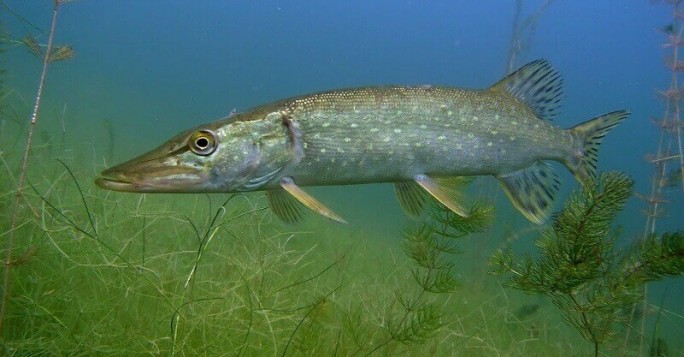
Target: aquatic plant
(49,55)
(522,32)
(431,246)
(577,265)
(669,157)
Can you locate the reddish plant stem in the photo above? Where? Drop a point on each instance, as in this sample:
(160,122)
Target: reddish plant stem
(24,165)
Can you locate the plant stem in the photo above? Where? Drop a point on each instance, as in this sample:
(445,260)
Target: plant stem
(585,322)
(24,165)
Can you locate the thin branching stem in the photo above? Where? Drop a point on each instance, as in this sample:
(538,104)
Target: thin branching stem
(22,173)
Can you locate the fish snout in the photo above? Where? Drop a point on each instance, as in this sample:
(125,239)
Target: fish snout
(153,175)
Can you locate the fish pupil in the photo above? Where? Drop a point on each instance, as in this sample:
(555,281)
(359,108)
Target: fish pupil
(202,143)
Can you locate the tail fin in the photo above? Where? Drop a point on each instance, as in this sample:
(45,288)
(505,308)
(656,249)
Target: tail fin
(589,134)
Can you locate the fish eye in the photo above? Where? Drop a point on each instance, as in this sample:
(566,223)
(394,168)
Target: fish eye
(203,142)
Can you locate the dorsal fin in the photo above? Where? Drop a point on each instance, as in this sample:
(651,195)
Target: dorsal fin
(536,84)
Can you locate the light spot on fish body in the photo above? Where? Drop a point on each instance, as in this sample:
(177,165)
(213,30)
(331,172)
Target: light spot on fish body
(374,130)
(322,151)
(386,139)
(441,137)
(398,131)
(326,124)
(354,125)
(490,143)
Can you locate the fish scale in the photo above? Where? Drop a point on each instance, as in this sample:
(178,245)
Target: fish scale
(390,134)
(415,137)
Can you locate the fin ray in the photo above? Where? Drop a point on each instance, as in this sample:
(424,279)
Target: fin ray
(441,192)
(536,84)
(412,198)
(307,200)
(590,134)
(284,206)
(532,190)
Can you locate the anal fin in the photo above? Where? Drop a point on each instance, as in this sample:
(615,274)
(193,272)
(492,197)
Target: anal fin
(442,192)
(532,190)
(307,200)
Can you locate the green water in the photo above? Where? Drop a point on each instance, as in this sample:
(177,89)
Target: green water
(95,272)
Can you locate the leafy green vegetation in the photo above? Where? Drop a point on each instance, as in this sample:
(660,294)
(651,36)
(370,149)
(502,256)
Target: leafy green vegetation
(578,266)
(102,273)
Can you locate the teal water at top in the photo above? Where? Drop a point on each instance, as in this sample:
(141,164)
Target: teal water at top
(150,69)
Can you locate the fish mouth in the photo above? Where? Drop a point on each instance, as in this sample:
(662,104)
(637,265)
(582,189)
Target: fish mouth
(153,175)
(167,180)
(116,185)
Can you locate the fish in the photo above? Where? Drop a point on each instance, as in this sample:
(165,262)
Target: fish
(417,137)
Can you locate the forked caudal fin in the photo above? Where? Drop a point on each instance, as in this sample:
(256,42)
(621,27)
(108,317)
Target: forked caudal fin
(589,135)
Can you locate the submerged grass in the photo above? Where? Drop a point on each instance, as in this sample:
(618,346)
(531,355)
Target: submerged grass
(105,273)
(96,272)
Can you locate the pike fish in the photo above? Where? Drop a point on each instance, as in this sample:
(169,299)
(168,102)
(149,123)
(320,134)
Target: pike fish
(416,137)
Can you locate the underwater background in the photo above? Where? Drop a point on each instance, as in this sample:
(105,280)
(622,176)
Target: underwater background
(102,272)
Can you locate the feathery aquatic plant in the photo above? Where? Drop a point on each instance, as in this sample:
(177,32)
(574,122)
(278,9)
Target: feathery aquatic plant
(578,268)
(52,53)
(431,245)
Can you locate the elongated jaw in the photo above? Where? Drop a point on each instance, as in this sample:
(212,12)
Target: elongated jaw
(152,178)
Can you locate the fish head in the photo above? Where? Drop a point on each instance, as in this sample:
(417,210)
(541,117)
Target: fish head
(232,155)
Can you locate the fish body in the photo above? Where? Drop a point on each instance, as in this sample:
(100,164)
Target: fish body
(391,134)
(414,137)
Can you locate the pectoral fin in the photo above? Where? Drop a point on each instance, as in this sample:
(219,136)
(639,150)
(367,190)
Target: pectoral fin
(532,190)
(442,192)
(412,198)
(288,184)
(284,206)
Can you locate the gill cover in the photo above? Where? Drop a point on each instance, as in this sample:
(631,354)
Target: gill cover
(258,151)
